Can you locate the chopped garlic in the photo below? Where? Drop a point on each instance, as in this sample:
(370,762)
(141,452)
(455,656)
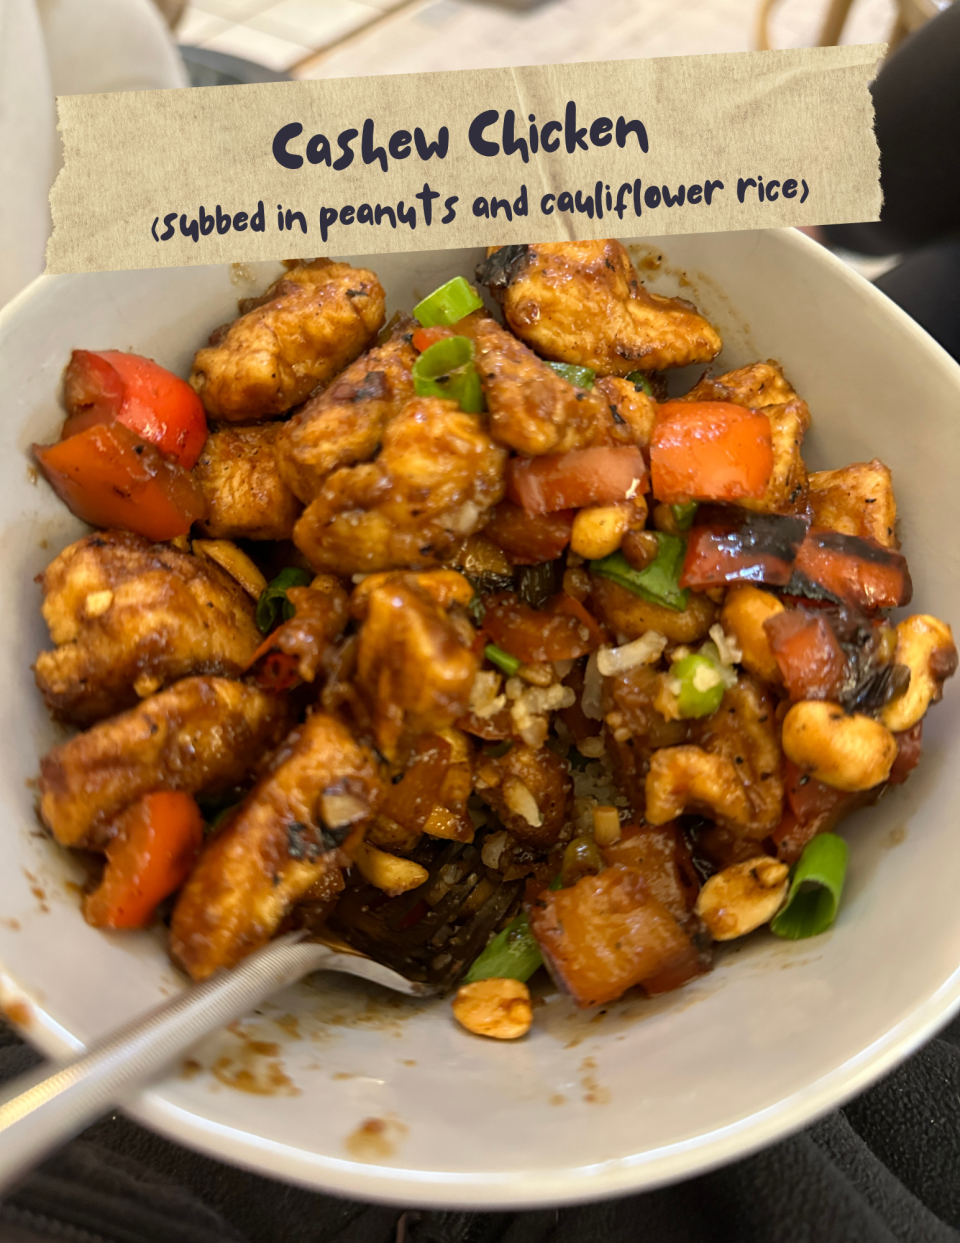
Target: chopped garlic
(643,651)
(730,653)
(592,748)
(485,702)
(705,678)
(591,699)
(519,799)
(493,848)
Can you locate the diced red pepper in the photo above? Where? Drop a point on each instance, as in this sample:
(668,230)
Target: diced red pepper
(812,807)
(709,451)
(811,660)
(908,754)
(423,338)
(599,476)
(532,635)
(854,569)
(410,802)
(529,539)
(162,409)
(156,844)
(110,478)
(272,669)
(566,606)
(742,547)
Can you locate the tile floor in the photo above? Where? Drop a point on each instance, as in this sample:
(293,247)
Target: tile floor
(346,38)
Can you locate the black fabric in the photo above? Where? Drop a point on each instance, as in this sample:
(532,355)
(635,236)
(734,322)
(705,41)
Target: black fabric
(886,1169)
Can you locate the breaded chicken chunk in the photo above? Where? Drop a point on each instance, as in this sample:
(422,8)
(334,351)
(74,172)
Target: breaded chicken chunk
(855,500)
(320,614)
(343,425)
(437,475)
(240,479)
(532,409)
(129,617)
(761,386)
(308,325)
(414,669)
(583,303)
(284,841)
(634,413)
(200,735)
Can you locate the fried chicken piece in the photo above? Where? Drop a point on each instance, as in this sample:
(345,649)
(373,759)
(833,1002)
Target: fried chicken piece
(582,303)
(308,325)
(437,475)
(734,775)
(201,735)
(530,791)
(446,587)
(532,409)
(321,613)
(240,478)
(286,839)
(633,412)
(343,425)
(856,500)
(413,667)
(129,617)
(762,387)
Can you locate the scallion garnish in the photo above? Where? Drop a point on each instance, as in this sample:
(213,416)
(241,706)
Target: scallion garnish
(815,889)
(513,954)
(503,660)
(581,377)
(273,600)
(447,370)
(448,304)
(659,582)
(683,515)
(640,382)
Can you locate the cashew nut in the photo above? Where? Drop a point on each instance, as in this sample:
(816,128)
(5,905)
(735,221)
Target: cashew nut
(494,1007)
(388,872)
(235,561)
(597,532)
(683,777)
(745,610)
(846,752)
(925,645)
(742,897)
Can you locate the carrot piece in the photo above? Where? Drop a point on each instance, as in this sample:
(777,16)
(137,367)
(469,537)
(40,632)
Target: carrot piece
(709,451)
(153,852)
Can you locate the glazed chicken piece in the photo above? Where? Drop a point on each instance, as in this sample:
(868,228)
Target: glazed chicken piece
(129,617)
(414,668)
(321,613)
(532,409)
(733,776)
(582,303)
(633,412)
(202,735)
(530,791)
(343,425)
(856,500)
(435,478)
(308,326)
(762,386)
(288,841)
(240,479)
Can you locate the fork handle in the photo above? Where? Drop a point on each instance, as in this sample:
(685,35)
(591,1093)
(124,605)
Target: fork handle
(43,1109)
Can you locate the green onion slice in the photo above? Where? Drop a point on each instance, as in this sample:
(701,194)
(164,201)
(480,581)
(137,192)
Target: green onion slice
(447,370)
(273,599)
(815,889)
(659,582)
(513,954)
(503,660)
(448,304)
(582,377)
(640,382)
(683,515)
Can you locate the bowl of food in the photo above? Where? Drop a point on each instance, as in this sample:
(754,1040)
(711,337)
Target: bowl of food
(562,640)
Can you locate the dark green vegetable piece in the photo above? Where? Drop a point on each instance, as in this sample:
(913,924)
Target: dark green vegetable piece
(659,582)
(815,889)
(640,382)
(513,954)
(448,304)
(582,377)
(447,370)
(273,599)
(683,515)
(503,660)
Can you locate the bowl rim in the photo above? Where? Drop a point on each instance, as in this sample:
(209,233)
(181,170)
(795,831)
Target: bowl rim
(519,1189)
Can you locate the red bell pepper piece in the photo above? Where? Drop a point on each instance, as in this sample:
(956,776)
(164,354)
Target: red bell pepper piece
(853,569)
(812,662)
(709,451)
(599,476)
(529,539)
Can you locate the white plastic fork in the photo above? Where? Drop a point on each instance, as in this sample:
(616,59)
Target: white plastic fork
(43,1109)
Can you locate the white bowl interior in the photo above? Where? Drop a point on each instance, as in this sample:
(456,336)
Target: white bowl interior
(586,1106)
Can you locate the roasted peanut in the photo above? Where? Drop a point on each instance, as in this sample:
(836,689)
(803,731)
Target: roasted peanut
(742,897)
(744,611)
(847,752)
(597,531)
(494,1007)
(925,645)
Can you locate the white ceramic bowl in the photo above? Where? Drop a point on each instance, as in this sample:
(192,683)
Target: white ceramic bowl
(585,1106)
